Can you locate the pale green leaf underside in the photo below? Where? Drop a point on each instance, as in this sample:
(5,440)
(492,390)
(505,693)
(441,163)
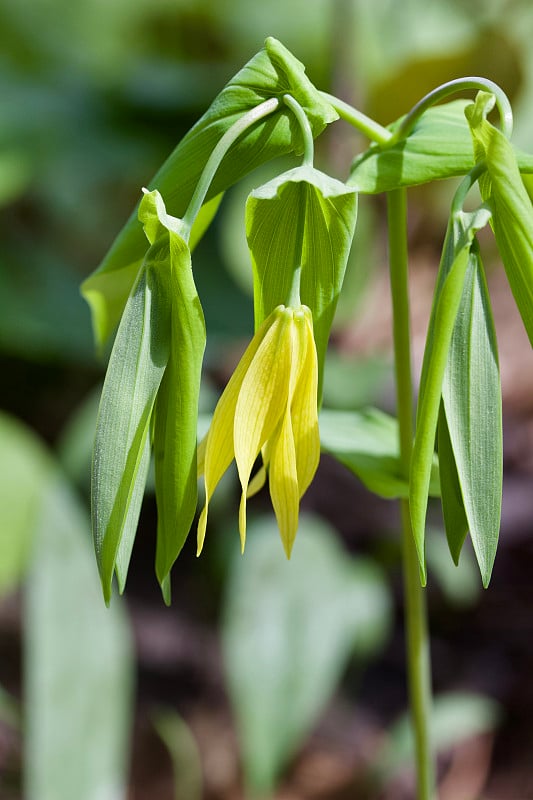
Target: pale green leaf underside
(366,442)
(453,511)
(135,370)
(472,401)
(454,263)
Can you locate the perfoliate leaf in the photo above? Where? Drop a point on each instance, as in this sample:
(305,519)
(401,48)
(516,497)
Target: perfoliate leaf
(456,255)
(302,220)
(453,510)
(505,193)
(367,443)
(472,403)
(120,457)
(176,410)
(273,72)
(439,146)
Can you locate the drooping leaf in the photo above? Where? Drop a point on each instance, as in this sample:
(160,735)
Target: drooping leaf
(176,409)
(121,449)
(512,218)
(456,255)
(453,510)
(78,664)
(366,442)
(472,403)
(302,220)
(271,73)
(275,613)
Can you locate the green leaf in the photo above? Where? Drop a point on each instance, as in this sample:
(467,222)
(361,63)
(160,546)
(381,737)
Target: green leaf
(176,410)
(183,751)
(271,73)
(367,443)
(455,258)
(439,146)
(301,220)
(453,510)
(77,653)
(275,614)
(23,474)
(121,448)
(78,664)
(512,218)
(472,401)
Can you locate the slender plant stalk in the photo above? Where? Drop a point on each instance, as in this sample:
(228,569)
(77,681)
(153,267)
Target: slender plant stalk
(417,641)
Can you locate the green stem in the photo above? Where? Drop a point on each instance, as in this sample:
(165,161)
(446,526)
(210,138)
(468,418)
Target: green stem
(464,187)
(366,125)
(222,147)
(417,640)
(452,87)
(305,127)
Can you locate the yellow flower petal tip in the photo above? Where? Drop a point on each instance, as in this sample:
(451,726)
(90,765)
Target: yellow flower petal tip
(269,406)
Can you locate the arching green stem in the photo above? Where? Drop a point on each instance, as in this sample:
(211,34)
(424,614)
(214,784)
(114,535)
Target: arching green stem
(213,163)
(464,187)
(305,127)
(452,87)
(417,640)
(366,125)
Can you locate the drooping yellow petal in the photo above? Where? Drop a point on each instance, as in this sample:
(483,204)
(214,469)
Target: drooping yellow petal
(304,411)
(283,482)
(262,400)
(259,479)
(283,476)
(216,451)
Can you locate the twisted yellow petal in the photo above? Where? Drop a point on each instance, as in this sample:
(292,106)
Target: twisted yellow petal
(216,451)
(296,448)
(305,412)
(261,401)
(269,406)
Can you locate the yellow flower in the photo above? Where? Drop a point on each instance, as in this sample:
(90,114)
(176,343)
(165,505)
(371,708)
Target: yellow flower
(269,406)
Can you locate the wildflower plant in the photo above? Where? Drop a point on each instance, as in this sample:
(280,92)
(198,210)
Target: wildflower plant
(299,228)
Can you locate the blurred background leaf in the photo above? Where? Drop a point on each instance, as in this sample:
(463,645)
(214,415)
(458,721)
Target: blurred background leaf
(78,662)
(289,630)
